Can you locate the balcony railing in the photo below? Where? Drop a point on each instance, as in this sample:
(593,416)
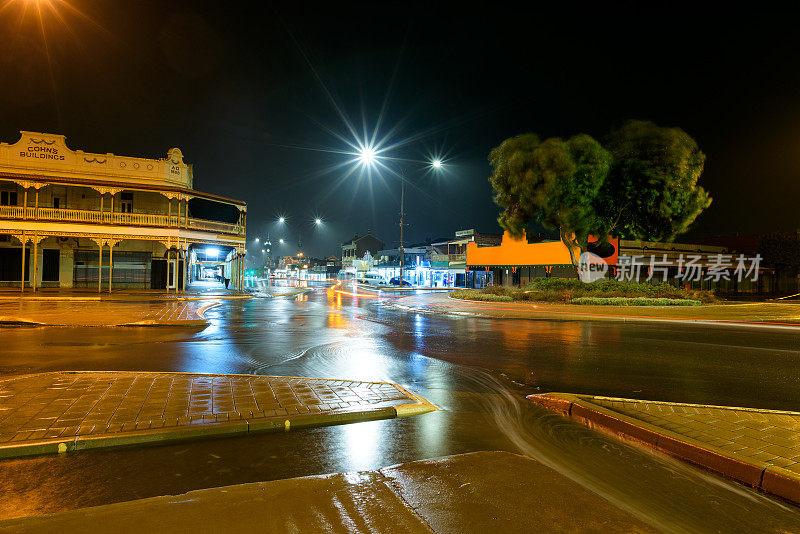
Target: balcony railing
(120,218)
(449,257)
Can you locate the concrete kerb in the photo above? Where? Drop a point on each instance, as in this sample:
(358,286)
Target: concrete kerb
(159,436)
(759,475)
(203,430)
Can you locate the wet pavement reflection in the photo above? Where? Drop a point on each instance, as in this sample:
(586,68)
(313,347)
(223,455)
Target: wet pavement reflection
(477,370)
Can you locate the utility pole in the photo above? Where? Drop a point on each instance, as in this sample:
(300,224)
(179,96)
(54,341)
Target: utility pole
(402,219)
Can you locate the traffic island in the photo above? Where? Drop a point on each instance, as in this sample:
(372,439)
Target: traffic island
(774,316)
(60,412)
(151,312)
(760,448)
(475,492)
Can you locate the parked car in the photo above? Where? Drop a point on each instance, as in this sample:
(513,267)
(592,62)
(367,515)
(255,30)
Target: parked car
(372,279)
(396,282)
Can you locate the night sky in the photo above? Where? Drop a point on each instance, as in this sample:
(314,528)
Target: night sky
(250,95)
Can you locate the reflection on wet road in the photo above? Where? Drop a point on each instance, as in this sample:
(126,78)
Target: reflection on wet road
(476,369)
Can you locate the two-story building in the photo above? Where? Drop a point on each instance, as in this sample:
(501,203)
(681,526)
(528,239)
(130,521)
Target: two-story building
(353,250)
(449,257)
(70,218)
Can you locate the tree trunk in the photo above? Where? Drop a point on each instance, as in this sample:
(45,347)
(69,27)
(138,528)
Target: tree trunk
(571,242)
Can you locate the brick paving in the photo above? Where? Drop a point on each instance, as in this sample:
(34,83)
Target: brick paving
(760,448)
(102,313)
(767,436)
(62,406)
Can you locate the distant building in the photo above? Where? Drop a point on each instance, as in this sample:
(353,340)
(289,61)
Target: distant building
(353,251)
(416,264)
(332,266)
(70,218)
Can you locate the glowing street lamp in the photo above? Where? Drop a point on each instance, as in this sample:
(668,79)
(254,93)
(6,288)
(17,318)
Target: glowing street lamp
(436,164)
(282,220)
(280,241)
(367,156)
(317,221)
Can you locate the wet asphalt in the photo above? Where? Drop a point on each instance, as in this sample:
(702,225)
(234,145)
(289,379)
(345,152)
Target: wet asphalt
(477,370)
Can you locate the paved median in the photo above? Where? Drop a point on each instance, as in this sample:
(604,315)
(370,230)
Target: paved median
(67,411)
(59,312)
(760,448)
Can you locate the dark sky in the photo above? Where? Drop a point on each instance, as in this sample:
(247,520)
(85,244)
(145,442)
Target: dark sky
(247,91)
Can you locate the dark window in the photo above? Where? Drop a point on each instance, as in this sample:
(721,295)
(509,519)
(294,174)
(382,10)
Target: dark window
(8,198)
(11,264)
(50,260)
(127,202)
(56,202)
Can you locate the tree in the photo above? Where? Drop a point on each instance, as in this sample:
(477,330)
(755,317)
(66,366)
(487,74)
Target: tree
(781,252)
(554,182)
(651,192)
(641,185)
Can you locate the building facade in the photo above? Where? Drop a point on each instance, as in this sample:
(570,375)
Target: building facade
(354,251)
(515,262)
(70,218)
(449,257)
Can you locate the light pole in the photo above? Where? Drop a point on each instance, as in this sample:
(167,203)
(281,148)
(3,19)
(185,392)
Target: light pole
(368,157)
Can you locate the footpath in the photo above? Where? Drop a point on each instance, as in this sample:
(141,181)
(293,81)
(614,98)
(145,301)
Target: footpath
(86,307)
(760,448)
(764,315)
(59,312)
(67,411)
(476,492)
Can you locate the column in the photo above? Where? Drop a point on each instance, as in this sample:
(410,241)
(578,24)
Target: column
(35,276)
(185,270)
(22,283)
(100,266)
(177,268)
(110,259)
(25,205)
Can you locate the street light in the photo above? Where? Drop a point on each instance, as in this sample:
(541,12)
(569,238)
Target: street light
(317,221)
(367,155)
(281,241)
(282,219)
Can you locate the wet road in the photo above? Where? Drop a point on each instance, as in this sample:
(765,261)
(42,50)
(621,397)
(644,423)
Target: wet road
(475,369)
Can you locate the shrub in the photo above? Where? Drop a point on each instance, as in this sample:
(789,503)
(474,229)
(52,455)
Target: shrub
(565,290)
(476,294)
(634,301)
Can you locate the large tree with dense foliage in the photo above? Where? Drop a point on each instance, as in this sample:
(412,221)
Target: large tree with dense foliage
(554,181)
(651,191)
(641,185)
